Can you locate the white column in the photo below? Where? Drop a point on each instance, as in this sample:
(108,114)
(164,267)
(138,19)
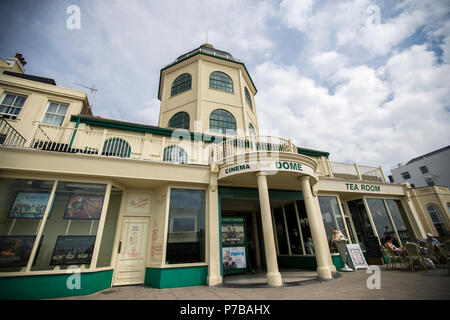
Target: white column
(273,275)
(318,234)
(214,236)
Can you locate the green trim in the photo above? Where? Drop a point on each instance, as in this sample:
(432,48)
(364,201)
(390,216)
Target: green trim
(310,152)
(163,278)
(245,193)
(305,262)
(74,133)
(52,285)
(206,54)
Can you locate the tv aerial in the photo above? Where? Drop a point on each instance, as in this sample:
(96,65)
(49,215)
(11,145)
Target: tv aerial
(92,89)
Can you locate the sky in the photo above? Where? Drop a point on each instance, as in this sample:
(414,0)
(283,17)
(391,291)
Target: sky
(367,81)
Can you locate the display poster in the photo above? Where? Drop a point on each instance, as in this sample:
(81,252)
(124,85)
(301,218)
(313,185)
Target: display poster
(15,250)
(29,205)
(232,233)
(356,257)
(234,258)
(73,250)
(84,207)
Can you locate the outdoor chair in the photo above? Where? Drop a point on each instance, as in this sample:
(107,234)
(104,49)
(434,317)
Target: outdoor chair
(414,256)
(446,246)
(392,259)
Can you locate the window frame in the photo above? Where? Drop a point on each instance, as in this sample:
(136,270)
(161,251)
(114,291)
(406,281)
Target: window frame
(55,114)
(248,98)
(405,175)
(222,82)
(219,128)
(12,115)
(181,84)
(183,115)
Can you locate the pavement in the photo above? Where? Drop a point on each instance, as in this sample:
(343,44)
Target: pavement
(392,285)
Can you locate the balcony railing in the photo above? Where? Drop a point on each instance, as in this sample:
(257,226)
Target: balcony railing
(113,144)
(9,136)
(357,172)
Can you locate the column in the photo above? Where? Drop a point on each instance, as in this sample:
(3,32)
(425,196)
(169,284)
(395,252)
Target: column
(273,275)
(256,241)
(318,234)
(214,237)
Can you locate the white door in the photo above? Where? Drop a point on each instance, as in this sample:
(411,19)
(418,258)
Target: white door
(130,263)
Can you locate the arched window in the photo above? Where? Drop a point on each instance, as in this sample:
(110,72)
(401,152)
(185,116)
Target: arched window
(437,219)
(116,147)
(180,120)
(181,84)
(222,121)
(221,81)
(175,154)
(251,130)
(248,98)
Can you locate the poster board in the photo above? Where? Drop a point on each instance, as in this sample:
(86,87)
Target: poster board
(29,205)
(356,258)
(73,250)
(234,245)
(15,250)
(84,207)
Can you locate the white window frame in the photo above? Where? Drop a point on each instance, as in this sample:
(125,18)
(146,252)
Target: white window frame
(12,105)
(55,114)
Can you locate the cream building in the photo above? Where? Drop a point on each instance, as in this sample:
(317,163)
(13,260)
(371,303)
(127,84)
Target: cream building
(201,196)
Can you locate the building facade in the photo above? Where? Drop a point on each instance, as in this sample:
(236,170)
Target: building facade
(195,199)
(428,170)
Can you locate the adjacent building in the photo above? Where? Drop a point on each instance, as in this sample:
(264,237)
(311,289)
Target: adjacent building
(201,196)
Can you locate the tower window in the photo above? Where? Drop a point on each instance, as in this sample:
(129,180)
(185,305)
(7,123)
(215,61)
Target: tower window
(248,98)
(180,120)
(251,130)
(222,121)
(181,84)
(221,81)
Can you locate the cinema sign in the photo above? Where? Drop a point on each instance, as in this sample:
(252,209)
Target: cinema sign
(266,166)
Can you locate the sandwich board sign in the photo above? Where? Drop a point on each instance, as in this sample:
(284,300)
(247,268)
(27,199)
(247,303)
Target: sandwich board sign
(356,257)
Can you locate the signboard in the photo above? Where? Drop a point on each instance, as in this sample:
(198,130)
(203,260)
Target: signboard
(84,207)
(29,205)
(15,250)
(271,166)
(232,233)
(234,258)
(138,203)
(73,250)
(356,258)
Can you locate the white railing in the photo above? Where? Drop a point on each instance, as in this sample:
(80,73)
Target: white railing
(238,146)
(356,172)
(115,144)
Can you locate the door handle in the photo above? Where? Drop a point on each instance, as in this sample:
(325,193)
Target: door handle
(120,247)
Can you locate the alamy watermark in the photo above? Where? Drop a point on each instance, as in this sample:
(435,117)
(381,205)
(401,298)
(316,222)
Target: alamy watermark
(73,22)
(374,281)
(74,281)
(373,15)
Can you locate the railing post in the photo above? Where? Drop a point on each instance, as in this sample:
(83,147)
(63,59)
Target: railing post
(357,172)
(382,173)
(33,134)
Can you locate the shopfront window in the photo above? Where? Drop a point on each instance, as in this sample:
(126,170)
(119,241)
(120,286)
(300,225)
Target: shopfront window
(70,231)
(399,217)
(304,227)
(331,217)
(186,232)
(361,222)
(22,206)
(281,231)
(381,219)
(109,229)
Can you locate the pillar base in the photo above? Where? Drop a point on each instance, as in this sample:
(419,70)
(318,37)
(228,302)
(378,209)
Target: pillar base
(214,280)
(333,269)
(274,279)
(324,273)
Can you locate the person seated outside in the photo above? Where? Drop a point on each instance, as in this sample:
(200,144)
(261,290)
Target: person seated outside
(392,247)
(432,239)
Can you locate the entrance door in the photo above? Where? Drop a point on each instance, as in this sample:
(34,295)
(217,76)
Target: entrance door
(130,263)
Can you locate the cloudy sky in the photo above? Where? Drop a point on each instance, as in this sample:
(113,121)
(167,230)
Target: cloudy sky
(367,81)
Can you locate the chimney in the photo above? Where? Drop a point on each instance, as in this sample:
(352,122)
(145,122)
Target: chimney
(21,59)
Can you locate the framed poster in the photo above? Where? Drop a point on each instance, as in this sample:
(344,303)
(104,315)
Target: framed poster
(73,250)
(84,207)
(234,258)
(15,250)
(29,205)
(356,258)
(232,233)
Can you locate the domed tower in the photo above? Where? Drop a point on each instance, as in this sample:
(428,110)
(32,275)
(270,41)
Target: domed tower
(207,90)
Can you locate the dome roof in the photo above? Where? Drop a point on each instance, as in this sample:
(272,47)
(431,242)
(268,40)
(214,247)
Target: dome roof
(208,49)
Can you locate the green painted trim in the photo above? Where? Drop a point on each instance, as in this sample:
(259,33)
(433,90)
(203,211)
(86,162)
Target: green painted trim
(206,54)
(246,193)
(52,285)
(74,133)
(163,278)
(305,262)
(310,152)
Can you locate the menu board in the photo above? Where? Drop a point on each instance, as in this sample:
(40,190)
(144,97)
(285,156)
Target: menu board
(356,257)
(73,250)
